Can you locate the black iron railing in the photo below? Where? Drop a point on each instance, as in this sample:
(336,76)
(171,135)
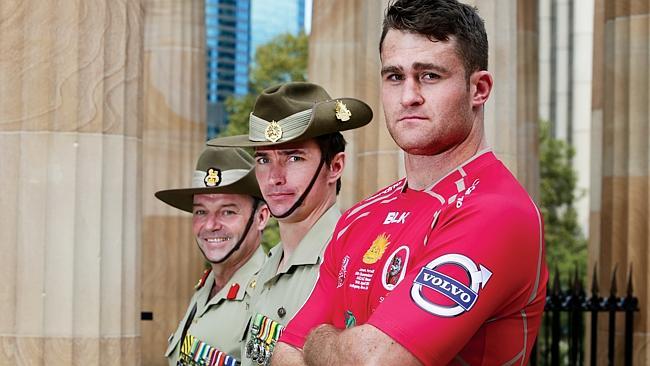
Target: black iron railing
(562,336)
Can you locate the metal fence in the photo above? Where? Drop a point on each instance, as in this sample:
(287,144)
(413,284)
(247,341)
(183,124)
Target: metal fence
(562,336)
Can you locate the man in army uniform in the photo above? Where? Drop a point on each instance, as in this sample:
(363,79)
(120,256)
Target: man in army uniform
(228,217)
(299,152)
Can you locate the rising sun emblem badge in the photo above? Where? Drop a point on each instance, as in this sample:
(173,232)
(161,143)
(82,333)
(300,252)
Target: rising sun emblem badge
(377,249)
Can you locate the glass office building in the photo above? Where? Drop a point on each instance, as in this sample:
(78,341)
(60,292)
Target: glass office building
(227,56)
(234,29)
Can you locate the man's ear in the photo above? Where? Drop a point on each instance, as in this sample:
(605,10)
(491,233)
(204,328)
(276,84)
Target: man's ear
(336,168)
(480,87)
(263,215)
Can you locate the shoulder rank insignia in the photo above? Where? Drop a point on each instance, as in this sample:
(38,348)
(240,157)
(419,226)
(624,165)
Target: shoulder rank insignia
(377,249)
(203,278)
(342,111)
(212,177)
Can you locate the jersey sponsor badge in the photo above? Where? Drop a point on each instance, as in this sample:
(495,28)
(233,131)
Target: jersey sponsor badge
(350,319)
(395,268)
(377,249)
(343,272)
(462,294)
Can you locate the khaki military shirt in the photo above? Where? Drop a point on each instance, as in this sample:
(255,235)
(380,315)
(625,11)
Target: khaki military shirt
(278,295)
(216,329)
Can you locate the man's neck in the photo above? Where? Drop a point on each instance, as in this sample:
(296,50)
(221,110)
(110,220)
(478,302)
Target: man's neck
(292,232)
(223,272)
(424,170)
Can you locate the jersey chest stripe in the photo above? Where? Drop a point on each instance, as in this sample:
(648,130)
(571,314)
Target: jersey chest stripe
(437,196)
(342,231)
(397,189)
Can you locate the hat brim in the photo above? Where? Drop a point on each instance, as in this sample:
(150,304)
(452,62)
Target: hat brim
(183,198)
(323,121)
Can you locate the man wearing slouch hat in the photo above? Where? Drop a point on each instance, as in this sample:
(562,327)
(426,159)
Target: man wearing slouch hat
(228,216)
(299,152)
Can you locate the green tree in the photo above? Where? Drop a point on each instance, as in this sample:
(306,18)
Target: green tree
(566,246)
(281,60)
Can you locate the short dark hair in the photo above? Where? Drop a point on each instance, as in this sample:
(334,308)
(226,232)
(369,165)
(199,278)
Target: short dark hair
(438,20)
(330,145)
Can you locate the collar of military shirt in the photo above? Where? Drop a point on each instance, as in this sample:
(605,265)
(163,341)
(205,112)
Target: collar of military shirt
(203,279)
(297,111)
(308,252)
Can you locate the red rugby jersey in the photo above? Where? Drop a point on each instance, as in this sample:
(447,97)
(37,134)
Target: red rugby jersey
(454,273)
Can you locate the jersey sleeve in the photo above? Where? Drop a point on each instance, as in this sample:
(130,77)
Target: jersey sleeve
(478,265)
(321,303)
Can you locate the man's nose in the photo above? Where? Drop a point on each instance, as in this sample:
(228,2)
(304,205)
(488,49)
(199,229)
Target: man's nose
(278,175)
(411,93)
(213,222)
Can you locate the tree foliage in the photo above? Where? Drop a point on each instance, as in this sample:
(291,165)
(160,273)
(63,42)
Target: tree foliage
(281,60)
(566,246)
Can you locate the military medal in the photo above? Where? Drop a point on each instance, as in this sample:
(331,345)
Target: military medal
(265,332)
(197,352)
(251,346)
(342,112)
(273,131)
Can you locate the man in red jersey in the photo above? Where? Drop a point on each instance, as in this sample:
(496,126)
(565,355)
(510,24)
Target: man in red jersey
(446,266)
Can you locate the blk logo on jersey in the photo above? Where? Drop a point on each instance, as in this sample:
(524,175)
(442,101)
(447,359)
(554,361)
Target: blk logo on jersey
(396,218)
(463,296)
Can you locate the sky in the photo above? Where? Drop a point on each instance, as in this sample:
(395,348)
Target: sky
(308,16)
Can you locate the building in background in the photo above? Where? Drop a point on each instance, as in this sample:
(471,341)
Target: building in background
(227,28)
(565,74)
(271,18)
(234,30)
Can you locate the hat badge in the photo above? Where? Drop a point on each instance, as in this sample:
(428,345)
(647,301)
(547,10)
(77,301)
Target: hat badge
(273,131)
(212,177)
(342,111)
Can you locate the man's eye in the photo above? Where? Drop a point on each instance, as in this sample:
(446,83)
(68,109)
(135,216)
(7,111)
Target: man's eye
(199,212)
(430,76)
(295,158)
(394,77)
(228,213)
(262,160)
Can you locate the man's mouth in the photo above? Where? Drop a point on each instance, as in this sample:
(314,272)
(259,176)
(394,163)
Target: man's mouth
(217,240)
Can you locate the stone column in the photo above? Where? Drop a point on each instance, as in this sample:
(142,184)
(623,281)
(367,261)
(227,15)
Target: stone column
(173,137)
(511,114)
(620,169)
(344,58)
(70,141)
